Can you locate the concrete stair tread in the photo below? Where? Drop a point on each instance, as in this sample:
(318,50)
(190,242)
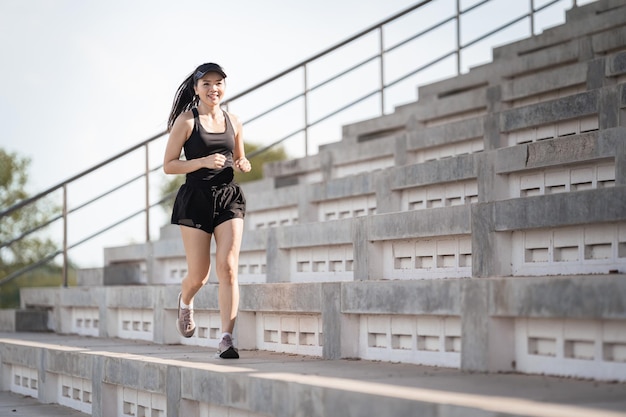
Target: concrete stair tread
(16,405)
(365,382)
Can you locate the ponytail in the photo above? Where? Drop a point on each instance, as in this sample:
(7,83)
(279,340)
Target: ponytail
(184,100)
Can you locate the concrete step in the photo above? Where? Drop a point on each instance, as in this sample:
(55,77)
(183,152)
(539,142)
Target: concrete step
(121,377)
(16,405)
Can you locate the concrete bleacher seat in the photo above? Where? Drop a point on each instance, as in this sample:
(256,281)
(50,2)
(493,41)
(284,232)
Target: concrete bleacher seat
(480,228)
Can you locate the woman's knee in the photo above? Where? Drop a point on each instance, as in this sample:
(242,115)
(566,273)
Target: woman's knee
(227,271)
(197,279)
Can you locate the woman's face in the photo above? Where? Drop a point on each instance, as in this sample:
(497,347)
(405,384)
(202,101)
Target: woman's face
(210,88)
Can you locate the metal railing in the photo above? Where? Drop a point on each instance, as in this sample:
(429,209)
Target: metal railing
(302,95)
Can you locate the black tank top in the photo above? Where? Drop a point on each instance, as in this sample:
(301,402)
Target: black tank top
(202,143)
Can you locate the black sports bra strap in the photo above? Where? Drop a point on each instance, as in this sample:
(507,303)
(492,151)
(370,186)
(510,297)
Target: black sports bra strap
(196,118)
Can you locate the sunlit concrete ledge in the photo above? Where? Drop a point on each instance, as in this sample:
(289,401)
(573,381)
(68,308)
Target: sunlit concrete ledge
(109,378)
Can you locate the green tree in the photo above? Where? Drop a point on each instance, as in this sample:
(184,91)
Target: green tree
(18,248)
(171,185)
(257,162)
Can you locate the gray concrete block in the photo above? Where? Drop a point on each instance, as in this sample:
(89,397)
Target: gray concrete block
(574,297)
(492,136)
(609,108)
(420,223)
(584,207)
(305,297)
(137,297)
(613,39)
(438,297)
(616,64)
(558,151)
(461,102)
(138,374)
(305,401)
(475,349)
(394,122)
(259,199)
(549,112)
(490,186)
(346,152)
(173,391)
(121,254)
(595,74)
(7,320)
(69,363)
(388,200)
(331,320)
(539,58)
(400,149)
(39,297)
(277,259)
(351,404)
(511,159)
(548,80)
(447,133)
(80,297)
(261,396)
(354,185)
(432,172)
(476,79)
(333,232)
(207,385)
(255,239)
(172,246)
(361,247)
(292,167)
(124,274)
(491,254)
(89,277)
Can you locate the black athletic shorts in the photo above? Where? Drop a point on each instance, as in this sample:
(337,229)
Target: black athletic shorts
(204,206)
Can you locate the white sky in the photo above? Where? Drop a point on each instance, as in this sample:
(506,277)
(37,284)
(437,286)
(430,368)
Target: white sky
(81,80)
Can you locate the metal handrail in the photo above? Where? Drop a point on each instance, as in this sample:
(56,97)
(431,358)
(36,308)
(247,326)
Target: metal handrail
(304,94)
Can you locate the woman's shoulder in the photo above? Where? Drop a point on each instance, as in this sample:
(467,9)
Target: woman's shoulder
(186,115)
(183,125)
(185,118)
(234,119)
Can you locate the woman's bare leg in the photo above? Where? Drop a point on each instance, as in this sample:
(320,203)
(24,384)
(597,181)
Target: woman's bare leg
(198,253)
(228,243)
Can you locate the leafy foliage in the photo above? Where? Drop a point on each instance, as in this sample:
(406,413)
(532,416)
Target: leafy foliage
(257,162)
(20,248)
(49,275)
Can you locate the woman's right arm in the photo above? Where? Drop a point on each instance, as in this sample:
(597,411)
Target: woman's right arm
(172,164)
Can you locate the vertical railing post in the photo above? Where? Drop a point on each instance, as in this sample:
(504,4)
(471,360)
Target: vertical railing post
(458,37)
(532,17)
(147,194)
(381,55)
(65,219)
(306,111)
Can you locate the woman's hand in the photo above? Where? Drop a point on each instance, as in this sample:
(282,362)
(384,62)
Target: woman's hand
(243,165)
(214,161)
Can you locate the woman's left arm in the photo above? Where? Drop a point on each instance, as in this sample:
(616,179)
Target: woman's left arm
(239,154)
